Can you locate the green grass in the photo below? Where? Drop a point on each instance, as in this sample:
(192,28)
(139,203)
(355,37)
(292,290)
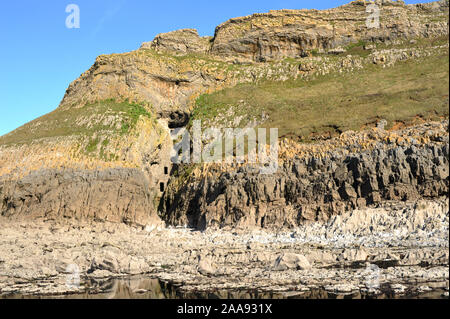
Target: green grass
(357,48)
(103,116)
(183,172)
(92,145)
(335,103)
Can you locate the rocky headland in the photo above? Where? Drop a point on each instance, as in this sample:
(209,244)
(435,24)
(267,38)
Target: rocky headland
(361,191)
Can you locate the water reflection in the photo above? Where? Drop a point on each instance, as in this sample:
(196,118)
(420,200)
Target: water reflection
(148,288)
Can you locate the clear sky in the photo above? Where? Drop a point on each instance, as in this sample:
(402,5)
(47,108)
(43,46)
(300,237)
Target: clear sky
(39,56)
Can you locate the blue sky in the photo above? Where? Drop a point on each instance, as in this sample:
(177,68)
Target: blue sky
(39,56)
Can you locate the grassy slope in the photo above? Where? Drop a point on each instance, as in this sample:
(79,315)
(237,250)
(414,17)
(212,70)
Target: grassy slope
(107,116)
(335,103)
(302,108)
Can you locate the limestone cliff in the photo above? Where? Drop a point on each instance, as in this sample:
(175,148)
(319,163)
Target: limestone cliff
(315,182)
(103,154)
(295,33)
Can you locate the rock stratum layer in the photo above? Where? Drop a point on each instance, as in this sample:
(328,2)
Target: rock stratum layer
(294,33)
(115,195)
(308,188)
(104,153)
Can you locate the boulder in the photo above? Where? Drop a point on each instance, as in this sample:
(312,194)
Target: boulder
(107,263)
(206,266)
(291,261)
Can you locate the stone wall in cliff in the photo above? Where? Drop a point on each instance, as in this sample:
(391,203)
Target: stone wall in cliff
(115,177)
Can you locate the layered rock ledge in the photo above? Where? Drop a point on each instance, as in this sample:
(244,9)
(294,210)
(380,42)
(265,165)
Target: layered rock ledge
(315,182)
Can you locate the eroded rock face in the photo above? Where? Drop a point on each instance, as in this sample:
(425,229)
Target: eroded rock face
(295,33)
(405,243)
(206,266)
(309,189)
(164,84)
(181,41)
(114,195)
(167,85)
(55,178)
(151,74)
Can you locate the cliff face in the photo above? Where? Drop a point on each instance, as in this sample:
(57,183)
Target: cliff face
(164,81)
(114,195)
(104,153)
(111,174)
(314,188)
(173,69)
(295,33)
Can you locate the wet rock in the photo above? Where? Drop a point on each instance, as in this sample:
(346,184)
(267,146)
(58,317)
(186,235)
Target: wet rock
(109,263)
(424,289)
(171,254)
(101,273)
(341,288)
(398,288)
(136,266)
(140,291)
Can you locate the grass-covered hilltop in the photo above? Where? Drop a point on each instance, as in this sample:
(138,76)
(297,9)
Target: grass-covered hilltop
(323,78)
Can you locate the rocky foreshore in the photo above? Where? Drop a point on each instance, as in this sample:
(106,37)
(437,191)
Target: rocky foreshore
(402,245)
(89,192)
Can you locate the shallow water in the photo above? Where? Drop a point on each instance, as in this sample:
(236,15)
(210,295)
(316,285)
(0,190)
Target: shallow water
(148,288)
